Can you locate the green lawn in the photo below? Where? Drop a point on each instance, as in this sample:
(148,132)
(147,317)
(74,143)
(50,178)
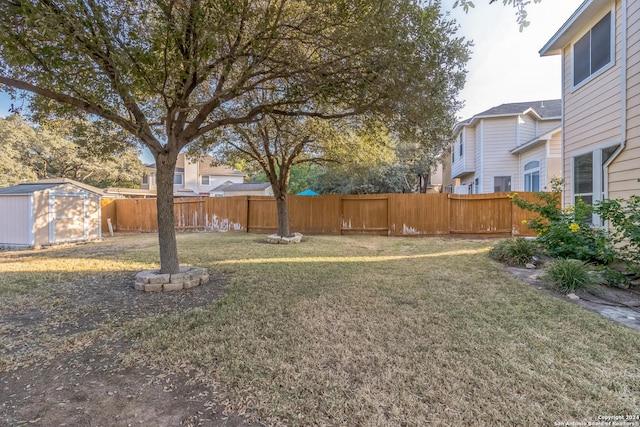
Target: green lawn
(361,330)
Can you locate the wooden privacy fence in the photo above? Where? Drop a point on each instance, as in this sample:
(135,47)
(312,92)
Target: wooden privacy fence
(384,214)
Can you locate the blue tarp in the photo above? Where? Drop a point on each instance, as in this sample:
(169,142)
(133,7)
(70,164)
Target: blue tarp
(307,193)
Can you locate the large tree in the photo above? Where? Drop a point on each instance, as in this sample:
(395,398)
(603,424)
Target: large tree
(29,153)
(170,72)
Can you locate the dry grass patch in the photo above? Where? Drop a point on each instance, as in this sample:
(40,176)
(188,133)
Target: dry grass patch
(384,331)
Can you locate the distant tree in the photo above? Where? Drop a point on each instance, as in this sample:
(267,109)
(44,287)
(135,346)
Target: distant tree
(172,72)
(30,153)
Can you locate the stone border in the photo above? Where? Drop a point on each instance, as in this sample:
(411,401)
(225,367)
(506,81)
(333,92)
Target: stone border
(279,240)
(153,281)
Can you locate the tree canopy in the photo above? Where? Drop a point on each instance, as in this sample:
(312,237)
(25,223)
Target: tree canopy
(29,153)
(171,72)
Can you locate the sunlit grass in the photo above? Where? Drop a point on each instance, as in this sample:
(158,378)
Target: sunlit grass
(350,330)
(383,331)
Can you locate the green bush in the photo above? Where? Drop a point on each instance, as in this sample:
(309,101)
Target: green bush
(624,215)
(513,251)
(612,277)
(567,233)
(570,275)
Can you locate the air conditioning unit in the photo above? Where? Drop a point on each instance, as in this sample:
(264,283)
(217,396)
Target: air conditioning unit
(461,189)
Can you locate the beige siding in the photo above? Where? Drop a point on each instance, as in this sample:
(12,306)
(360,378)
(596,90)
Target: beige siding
(499,136)
(554,170)
(527,129)
(548,125)
(555,147)
(15,221)
(41,218)
(624,171)
(592,112)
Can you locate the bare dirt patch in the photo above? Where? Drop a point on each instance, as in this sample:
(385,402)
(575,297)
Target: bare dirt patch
(61,361)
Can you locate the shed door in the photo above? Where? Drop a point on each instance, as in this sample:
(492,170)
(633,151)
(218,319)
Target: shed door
(69,216)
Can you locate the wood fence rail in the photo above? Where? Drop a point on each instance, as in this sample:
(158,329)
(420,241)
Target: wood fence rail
(380,214)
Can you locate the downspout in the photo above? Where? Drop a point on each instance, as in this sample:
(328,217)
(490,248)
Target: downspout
(562,156)
(623,98)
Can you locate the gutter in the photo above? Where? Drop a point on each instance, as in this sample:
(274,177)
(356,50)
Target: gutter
(623,98)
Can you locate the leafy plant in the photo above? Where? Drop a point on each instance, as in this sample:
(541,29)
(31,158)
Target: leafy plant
(612,277)
(570,275)
(624,215)
(514,251)
(566,233)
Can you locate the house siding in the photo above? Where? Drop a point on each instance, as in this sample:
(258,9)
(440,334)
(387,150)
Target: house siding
(624,172)
(592,112)
(527,129)
(496,156)
(548,125)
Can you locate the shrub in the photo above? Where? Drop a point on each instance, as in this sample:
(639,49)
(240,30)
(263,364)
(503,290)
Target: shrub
(566,233)
(513,251)
(570,275)
(612,277)
(624,215)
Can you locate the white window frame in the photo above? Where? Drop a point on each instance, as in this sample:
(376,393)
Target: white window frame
(208,180)
(612,50)
(531,172)
(178,175)
(599,181)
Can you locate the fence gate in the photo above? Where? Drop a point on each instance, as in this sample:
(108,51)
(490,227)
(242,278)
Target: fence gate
(364,215)
(68,216)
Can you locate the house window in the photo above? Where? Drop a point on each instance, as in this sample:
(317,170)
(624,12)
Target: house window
(461,146)
(177,179)
(205,180)
(593,51)
(532,176)
(145,179)
(588,176)
(476,186)
(501,184)
(453,154)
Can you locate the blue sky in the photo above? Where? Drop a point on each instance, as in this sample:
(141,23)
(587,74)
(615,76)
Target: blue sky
(505,65)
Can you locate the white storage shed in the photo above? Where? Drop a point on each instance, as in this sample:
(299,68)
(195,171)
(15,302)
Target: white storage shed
(49,212)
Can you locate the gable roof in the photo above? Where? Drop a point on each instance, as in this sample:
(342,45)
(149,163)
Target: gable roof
(576,23)
(46,184)
(549,108)
(546,109)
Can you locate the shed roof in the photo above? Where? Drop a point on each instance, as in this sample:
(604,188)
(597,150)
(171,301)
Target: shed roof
(247,186)
(45,184)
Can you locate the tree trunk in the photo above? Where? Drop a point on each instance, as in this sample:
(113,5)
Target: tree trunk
(165,168)
(283,215)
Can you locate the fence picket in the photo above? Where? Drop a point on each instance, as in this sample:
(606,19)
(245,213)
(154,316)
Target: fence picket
(381,214)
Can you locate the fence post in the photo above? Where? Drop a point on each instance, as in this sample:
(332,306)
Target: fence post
(247,215)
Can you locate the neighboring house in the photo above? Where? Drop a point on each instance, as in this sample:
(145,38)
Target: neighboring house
(511,147)
(48,212)
(245,189)
(194,177)
(600,50)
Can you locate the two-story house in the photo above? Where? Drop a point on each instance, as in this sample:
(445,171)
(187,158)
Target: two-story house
(511,147)
(194,177)
(600,50)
